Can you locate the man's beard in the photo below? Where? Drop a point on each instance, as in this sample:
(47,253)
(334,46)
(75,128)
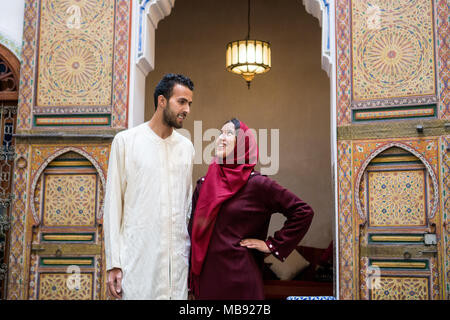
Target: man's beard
(170,118)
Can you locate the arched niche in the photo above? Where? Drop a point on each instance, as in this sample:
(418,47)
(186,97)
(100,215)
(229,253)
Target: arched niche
(72,164)
(396,183)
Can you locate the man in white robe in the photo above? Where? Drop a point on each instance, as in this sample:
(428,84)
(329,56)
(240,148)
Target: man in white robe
(147,201)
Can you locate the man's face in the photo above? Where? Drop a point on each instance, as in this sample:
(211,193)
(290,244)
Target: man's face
(178,106)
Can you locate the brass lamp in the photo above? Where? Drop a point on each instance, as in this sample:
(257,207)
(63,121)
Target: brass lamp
(248,57)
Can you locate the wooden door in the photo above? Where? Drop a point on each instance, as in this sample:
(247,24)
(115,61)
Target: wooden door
(392,115)
(399,227)
(66,252)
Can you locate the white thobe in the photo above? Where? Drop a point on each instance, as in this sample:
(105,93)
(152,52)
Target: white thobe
(147,209)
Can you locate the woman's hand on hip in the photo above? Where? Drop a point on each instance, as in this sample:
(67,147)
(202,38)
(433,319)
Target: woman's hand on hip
(255,244)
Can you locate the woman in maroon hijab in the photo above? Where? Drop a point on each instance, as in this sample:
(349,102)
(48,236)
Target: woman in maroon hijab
(231,211)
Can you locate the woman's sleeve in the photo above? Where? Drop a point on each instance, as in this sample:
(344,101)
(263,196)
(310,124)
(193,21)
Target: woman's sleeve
(299,217)
(191,220)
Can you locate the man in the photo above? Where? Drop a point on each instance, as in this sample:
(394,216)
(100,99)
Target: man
(148,198)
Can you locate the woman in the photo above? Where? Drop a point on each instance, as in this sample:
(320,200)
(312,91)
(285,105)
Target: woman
(231,211)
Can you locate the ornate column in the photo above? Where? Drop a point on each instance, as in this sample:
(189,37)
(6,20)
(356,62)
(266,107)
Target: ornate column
(73,99)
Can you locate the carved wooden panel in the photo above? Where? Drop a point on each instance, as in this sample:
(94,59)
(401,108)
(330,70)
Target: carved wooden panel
(63,286)
(66,251)
(70,200)
(400,288)
(398,219)
(397,198)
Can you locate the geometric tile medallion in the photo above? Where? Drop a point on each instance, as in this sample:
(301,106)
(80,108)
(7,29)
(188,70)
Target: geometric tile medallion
(397,198)
(400,288)
(392,49)
(65,286)
(75,53)
(70,199)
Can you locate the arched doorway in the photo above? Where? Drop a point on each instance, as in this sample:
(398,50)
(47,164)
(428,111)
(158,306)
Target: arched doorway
(9,87)
(210,80)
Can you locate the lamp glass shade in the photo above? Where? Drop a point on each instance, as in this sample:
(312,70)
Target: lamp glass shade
(258,50)
(251,52)
(265,55)
(242,52)
(228,61)
(234,50)
(248,57)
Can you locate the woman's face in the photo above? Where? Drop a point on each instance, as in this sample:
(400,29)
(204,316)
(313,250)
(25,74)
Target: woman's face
(226,141)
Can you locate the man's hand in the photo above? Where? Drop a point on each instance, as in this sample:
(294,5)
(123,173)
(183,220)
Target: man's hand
(114,283)
(255,244)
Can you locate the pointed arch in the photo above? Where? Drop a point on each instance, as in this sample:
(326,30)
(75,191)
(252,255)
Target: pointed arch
(151,12)
(45,165)
(407,148)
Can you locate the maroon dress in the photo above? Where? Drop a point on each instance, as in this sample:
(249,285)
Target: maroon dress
(234,272)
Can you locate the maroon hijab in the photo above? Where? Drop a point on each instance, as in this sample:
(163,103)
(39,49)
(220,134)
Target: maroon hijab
(222,181)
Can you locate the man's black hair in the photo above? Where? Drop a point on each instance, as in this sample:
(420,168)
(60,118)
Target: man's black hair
(165,86)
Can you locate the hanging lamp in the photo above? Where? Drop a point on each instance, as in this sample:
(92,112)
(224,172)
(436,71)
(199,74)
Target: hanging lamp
(248,57)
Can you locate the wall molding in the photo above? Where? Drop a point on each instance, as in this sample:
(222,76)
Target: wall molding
(320,9)
(394,129)
(150,13)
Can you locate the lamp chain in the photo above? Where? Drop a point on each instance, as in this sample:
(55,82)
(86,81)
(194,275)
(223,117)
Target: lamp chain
(248,20)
